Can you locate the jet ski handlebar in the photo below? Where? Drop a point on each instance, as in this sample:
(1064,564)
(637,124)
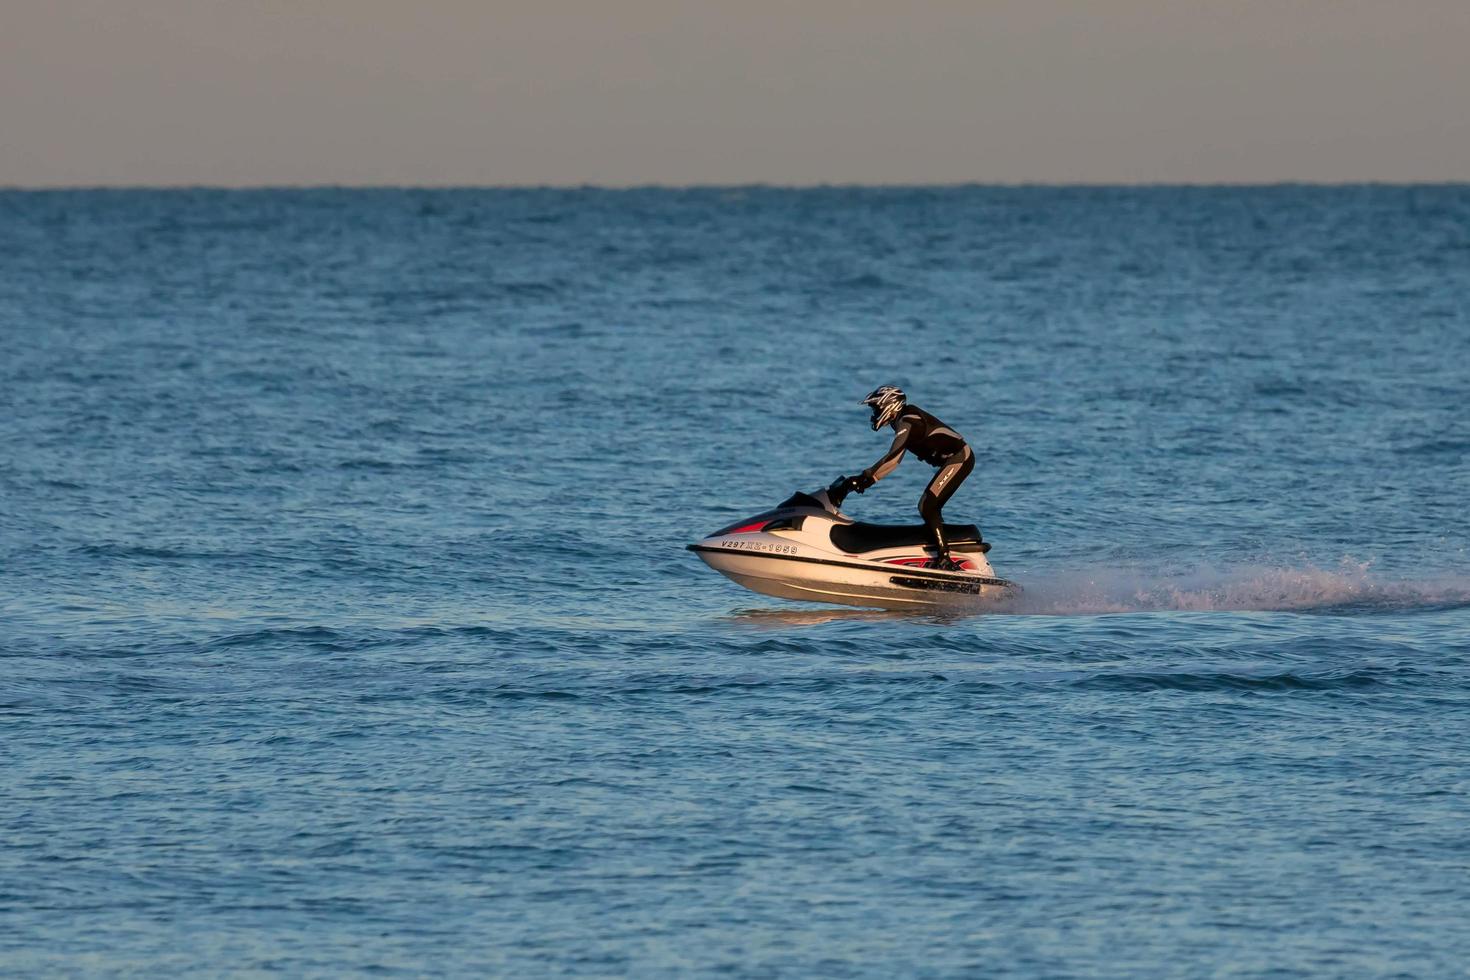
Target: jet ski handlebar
(840,488)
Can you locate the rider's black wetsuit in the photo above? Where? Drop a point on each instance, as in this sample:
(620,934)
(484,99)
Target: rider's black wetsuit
(918,432)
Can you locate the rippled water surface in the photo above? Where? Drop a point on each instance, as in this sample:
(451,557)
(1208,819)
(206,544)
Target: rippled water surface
(345,624)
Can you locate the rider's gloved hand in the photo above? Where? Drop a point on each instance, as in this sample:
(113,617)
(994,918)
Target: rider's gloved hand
(862,481)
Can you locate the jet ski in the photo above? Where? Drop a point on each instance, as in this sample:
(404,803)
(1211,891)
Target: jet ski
(806,548)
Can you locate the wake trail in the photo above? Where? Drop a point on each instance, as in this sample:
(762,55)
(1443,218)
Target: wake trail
(1350,587)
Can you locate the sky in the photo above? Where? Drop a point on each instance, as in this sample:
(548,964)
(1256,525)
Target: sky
(632,92)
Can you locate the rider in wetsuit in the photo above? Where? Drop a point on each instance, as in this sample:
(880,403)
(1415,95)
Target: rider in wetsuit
(922,434)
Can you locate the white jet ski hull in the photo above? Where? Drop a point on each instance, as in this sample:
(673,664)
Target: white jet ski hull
(869,588)
(808,550)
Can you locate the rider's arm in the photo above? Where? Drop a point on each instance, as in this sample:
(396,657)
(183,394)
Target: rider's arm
(890,459)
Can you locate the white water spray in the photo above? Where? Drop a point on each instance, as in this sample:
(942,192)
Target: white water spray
(1233,589)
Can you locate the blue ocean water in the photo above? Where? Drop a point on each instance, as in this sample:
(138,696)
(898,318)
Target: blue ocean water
(345,624)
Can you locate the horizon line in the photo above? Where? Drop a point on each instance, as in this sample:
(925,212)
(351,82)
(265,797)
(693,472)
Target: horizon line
(732,186)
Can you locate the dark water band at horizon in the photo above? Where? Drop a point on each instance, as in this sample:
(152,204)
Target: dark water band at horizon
(346,626)
(757,187)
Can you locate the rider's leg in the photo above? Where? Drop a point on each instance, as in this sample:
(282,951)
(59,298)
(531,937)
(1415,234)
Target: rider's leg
(940,489)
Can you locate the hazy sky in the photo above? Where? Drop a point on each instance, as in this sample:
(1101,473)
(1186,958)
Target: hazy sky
(778,91)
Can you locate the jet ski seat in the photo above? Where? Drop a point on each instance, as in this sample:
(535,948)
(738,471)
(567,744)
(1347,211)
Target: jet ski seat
(858,538)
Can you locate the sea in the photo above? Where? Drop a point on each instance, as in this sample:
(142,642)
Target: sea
(347,627)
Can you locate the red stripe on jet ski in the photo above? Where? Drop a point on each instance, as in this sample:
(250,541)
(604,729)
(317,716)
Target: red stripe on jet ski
(923,562)
(746,528)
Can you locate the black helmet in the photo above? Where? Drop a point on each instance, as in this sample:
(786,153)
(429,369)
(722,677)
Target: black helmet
(886,401)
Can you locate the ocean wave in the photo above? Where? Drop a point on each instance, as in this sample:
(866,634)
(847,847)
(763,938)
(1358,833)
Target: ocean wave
(1242,680)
